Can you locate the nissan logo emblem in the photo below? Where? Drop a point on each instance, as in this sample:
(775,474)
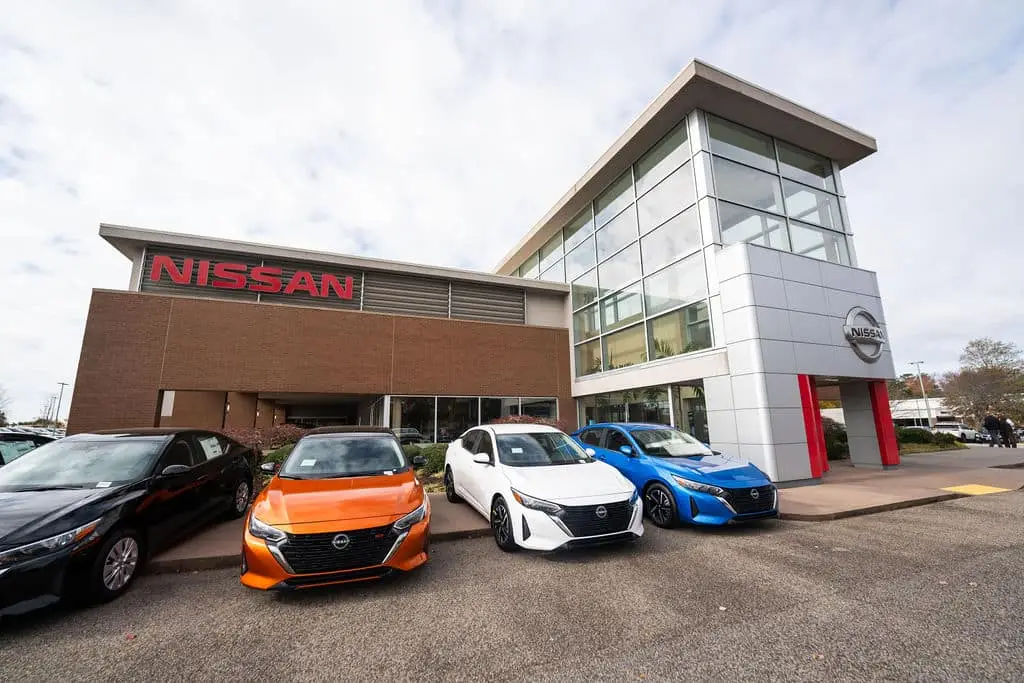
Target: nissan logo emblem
(601,512)
(340,542)
(754,494)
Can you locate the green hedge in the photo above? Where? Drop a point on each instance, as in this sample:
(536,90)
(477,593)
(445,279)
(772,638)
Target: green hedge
(279,455)
(433,452)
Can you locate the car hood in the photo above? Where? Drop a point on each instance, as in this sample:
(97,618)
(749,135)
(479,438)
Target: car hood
(712,469)
(27,516)
(562,483)
(305,501)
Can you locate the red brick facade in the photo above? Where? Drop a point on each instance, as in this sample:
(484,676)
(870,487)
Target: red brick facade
(137,344)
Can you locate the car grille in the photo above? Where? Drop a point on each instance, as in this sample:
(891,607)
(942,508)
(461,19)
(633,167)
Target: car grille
(743,502)
(323,579)
(582,520)
(315,553)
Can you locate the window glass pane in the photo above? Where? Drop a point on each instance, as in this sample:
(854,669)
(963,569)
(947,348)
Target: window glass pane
(682,331)
(813,206)
(579,228)
(529,269)
(455,416)
(679,284)
(414,413)
(806,167)
(495,408)
(746,186)
(616,234)
(580,260)
(551,252)
(740,224)
(625,348)
(664,157)
(673,195)
(622,309)
(555,273)
(679,236)
(541,407)
(620,269)
(614,199)
(588,358)
(584,323)
(584,290)
(742,144)
(820,244)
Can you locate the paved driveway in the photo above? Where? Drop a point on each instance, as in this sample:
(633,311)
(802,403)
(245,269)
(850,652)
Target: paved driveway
(931,593)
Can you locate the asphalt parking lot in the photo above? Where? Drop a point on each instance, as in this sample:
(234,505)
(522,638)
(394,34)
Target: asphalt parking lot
(929,593)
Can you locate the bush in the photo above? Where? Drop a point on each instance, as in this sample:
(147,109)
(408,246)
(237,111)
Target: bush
(836,444)
(943,439)
(279,455)
(914,436)
(266,438)
(529,419)
(434,453)
(411,450)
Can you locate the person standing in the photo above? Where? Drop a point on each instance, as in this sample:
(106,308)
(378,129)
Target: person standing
(991,425)
(1006,429)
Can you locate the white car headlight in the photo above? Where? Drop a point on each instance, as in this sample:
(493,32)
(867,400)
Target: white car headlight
(265,531)
(635,497)
(697,486)
(49,545)
(536,503)
(414,517)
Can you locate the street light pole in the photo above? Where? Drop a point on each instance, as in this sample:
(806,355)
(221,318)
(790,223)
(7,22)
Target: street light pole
(924,395)
(59,399)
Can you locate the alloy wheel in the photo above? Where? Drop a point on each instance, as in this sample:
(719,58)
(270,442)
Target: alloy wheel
(449,485)
(659,506)
(120,563)
(242,497)
(501,523)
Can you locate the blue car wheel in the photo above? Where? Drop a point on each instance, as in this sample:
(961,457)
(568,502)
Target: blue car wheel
(660,506)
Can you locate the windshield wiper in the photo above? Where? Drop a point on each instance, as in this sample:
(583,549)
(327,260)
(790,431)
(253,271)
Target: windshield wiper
(49,488)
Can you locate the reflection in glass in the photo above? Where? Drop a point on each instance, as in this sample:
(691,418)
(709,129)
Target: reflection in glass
(740,224)
(584,290)
(620,269)
(580,260)
(579,228)
(679,284)
(555,273)
(740,143)
(614,199)
(414,412)
(530,267)
(496,408)
(747,186)
(679,236)
(666,156)
(812,206)
(807,167)
(588,358)
(820,244)
(541,407)
(551,252)
(674,194)
(682,331)
(625,348)
(454,416)
(616,234)
(584,323)
(623,308)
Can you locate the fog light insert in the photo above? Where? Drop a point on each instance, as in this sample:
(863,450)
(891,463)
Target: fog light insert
(526,529)
(693,508)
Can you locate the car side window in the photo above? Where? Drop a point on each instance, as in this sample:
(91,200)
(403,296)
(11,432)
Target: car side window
(485,446)
(210,446)
(469,441)
(616,440)
(179,453)
(592,437)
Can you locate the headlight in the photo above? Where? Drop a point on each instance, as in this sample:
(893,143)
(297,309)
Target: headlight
(414,517)
(48,545)
(265,531)
(536,503)
(697,486)
(635,497)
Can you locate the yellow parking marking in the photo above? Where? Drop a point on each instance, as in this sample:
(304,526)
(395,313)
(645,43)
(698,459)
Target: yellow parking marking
(975,489)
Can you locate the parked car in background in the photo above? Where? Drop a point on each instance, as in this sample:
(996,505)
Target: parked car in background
(407,436)
(344,506)
(681,479)
(539,489)
(79,516)
(960,432)
(16,442)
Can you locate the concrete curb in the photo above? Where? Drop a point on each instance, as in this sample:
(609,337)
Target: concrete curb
(870,510)
(1012,466)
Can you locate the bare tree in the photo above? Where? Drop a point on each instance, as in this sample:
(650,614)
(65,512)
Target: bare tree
(990,380)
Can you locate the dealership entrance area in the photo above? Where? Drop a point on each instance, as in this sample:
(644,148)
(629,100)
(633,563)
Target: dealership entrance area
(680,405)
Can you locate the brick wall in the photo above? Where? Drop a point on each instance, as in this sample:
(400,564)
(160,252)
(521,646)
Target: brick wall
(201,409)
(136,344)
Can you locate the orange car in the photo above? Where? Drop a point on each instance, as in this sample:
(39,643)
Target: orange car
(345,506)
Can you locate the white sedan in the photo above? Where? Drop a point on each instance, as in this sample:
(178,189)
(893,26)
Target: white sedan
(539,489)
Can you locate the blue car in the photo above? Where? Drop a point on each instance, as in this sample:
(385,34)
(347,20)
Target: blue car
(682,480)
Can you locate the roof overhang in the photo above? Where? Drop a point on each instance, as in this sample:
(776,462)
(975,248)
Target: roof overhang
(699,86)
(133,241)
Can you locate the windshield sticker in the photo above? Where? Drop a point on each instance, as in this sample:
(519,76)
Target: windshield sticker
(308,463)
(517,450)
(211,447)
(388,472)
(103,485)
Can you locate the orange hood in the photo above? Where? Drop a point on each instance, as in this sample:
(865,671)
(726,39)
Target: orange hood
(305,501)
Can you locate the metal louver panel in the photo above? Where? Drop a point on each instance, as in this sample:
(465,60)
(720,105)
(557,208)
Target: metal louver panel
(187,266)
(489,304)
(405,295)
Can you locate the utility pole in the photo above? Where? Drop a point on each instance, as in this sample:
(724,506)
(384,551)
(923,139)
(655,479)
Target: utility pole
(59,399)
(924,395)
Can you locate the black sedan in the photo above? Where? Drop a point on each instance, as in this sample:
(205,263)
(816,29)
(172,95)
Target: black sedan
(80,515)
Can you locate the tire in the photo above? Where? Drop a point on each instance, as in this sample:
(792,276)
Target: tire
(501,526)
(115,566)
(660,506)
(239,502)
(449,487)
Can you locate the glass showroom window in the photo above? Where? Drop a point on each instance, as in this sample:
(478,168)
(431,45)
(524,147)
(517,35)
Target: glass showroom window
(666,199)
(682,331)
(581,259)
(555,273)
(739,143)
(584,290)
(551,252)
(682,283)
(530,268)
(807,167)
(541,407)
(744,185)
(671,152)
(588,358)
(678,237)
(623,308)
(820,244)
(812,206)
(585,324)
(497,408)
(619,270)
(625,348)
(415,412)
(456,415)
(579,228)
(613,200)
(740,224)
(616,234)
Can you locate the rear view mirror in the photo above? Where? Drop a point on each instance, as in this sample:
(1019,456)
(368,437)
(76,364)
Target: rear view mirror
(269,467)
(482,458)
(418,461)
(172,470)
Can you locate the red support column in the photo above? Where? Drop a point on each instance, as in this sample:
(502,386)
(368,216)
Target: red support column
(816,452)
(887,445)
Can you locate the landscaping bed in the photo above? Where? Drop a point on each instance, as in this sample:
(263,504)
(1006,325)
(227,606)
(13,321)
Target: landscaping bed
(917,448)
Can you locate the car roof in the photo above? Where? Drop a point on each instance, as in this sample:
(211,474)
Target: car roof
(629,426)
(520,428)
(367,430)
(144,431)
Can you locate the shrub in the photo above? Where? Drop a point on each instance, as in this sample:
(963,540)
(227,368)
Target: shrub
(411,450)
(434,453)
(530,419)
(266,438)
(836,444)
(914,436)
(279,455)
(943,439)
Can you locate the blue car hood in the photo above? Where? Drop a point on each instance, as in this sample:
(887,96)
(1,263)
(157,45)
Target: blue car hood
(713,469)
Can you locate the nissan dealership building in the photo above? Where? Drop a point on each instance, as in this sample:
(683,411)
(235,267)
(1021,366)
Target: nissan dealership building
(702,273)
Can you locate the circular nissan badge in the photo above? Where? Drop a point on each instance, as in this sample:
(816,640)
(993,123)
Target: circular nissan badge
(601,512)
(864,334)
(340,542)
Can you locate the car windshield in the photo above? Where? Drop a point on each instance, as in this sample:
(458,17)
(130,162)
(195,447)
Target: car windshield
(669,443)
(537,449)
(82,464)
(328,457)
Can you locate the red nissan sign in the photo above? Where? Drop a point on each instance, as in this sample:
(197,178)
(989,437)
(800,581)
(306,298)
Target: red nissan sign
(265,279)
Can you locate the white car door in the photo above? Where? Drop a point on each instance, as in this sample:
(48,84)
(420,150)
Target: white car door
(468,471)
(486,477)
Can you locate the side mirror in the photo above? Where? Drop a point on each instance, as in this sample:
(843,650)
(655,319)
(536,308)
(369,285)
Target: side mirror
(270,467)
(418,461)
(716,452)
(482,458)
(173,470)
(627,450)
(590,451)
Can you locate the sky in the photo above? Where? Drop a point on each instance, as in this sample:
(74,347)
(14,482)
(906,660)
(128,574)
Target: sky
(440,132)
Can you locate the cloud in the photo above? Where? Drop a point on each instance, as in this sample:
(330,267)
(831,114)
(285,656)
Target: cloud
(440,132)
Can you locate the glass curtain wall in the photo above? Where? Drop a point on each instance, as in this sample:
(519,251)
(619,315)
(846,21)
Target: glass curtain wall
(678,405)
(442,419)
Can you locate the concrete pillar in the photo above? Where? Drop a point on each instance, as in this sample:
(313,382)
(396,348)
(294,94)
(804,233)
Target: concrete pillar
(240,411)
(860,424)
(264,413)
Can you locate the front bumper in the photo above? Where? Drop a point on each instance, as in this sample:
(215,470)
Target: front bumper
(264,567)
(697,507)
(536,530)
(33,584)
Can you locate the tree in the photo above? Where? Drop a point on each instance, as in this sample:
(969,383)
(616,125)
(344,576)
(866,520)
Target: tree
(990,380)
(4,403)
(907,386)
